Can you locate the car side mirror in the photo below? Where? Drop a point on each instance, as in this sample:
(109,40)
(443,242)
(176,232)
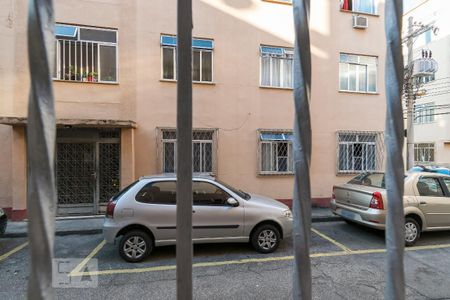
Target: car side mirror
(232,202)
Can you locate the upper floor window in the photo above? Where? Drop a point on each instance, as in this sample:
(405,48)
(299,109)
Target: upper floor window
(276,154)
(202,59)
(277,66)
(361,6)
(424,113)
(358,73)
(85,54)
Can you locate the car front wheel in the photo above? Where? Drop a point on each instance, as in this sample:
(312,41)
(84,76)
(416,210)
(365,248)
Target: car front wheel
(135,246)
(265,238)
(412,231)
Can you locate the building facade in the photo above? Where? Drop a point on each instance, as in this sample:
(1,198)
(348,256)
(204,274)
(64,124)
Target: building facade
(115,91)
(432,93)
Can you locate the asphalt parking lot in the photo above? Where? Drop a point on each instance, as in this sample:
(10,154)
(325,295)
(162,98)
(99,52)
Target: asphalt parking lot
(347,263)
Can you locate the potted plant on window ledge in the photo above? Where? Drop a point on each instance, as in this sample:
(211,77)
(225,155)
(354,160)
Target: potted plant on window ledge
(92,77)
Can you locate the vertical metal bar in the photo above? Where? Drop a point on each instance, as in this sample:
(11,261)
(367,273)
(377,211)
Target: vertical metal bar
(184,150)
(410,101)
(41,135)
(395,224)
(302,152)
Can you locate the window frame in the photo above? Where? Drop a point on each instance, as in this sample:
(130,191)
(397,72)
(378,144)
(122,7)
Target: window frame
(358,64)
(160,155)
(289,157)
(261,85)
(375,8)
(366,162)
(59,77)
(429,147)
(424,113)
(225,204)
(175,49)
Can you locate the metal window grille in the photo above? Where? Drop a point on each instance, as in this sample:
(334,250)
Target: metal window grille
(424,113)
(360,151)
(276,67)
(424,152)
(203,151)
(89,56)
(276,153)
(358,73)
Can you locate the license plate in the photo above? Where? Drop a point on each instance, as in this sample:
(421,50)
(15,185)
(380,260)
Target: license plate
(348,214)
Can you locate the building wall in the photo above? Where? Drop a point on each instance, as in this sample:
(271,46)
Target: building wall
(235,104)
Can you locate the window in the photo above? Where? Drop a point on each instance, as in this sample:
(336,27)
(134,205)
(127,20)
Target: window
(424,113)
(424,152)
(369,179)
(205,193)
(361,6)
(277,67)
(202,150)
(161,192)
(276,153)
(85,54)
(447,183)
(202,59)
(358,73)
(427,186)
(359,151)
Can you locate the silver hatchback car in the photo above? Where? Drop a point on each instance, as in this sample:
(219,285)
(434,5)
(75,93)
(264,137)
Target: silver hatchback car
(143,215)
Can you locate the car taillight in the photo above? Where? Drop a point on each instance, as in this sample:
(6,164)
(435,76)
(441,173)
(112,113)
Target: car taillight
(376,201)
(110,209)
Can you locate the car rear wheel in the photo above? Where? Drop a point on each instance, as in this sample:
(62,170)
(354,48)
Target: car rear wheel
(265,238)
(135,246)
(412,231)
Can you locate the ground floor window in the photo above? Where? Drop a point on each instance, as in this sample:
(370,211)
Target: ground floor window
(203,151)
(359,151)
(276,155)
(424,152)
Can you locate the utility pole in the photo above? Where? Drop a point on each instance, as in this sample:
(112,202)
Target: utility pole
(410,98)
(410,102)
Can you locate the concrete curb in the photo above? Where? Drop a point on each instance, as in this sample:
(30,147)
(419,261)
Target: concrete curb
(315,219)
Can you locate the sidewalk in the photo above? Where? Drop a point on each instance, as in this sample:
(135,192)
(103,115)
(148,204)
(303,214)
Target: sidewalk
(93,224)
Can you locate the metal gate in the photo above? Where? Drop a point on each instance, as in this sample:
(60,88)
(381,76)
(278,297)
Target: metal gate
(87,170)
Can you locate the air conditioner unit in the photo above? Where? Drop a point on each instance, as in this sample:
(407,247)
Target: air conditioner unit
(360,22)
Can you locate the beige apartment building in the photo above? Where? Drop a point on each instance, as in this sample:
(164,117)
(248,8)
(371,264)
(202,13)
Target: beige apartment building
(115,91)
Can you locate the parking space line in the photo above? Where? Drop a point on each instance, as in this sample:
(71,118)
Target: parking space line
(9,253)
(233,262)
(87,258)
(336,243)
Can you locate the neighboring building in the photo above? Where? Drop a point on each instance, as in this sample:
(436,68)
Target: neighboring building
(432,108)
(115,91)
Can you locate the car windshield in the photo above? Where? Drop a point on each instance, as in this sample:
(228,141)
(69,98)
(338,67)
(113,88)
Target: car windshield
(240,193)
(369,179)
(119,194)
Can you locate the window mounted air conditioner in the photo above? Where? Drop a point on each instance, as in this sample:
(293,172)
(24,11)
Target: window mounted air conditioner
(360,22)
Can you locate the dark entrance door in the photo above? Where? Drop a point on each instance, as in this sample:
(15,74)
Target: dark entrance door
(87,169)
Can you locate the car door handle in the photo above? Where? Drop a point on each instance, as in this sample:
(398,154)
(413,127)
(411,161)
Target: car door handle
(423,202)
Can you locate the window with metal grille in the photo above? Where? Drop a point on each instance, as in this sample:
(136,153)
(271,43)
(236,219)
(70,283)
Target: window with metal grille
(202,59)
(424,152)
(358,73)
(203,151)
(276,155)
(85,54)
(276,67)
(360,151)
(424,113)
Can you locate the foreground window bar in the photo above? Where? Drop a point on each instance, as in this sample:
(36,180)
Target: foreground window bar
(41,134)
(302,152)
(184,150)
(395,222)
